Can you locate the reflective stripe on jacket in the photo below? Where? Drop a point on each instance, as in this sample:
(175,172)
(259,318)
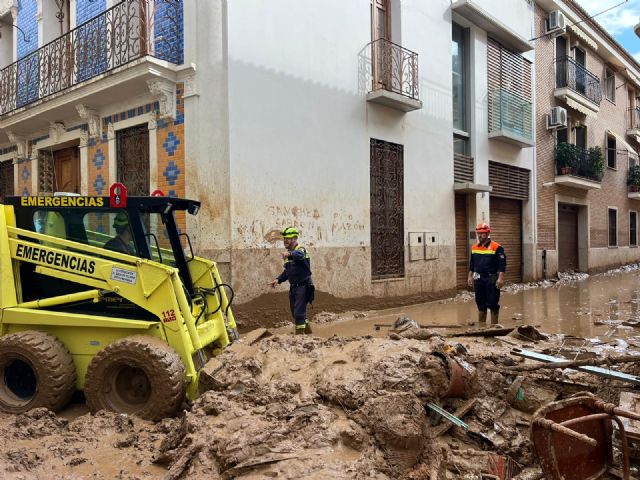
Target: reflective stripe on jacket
(487,258)
(297,267)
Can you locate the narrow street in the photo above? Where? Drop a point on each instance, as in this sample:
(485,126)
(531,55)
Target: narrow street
(602,305)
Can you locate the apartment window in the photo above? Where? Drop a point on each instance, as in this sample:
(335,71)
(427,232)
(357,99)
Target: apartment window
(459,69)
(633,229)
(611,152)
(613,227)
(610,84)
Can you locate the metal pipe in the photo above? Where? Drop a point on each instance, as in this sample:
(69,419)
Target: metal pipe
(559,428)
(93,295)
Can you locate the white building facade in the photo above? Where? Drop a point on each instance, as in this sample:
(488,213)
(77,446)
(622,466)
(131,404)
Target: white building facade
(383,129)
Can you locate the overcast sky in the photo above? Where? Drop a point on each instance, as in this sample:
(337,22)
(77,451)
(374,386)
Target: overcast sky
(619,22)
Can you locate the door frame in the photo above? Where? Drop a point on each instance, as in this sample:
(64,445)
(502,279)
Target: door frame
(58,140)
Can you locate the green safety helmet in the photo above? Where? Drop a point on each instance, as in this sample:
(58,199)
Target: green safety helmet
(290,232)
(121,221)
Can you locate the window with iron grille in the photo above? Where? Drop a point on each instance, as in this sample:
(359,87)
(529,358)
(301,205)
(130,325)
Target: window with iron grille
(6,179)
(633,228)
(387,209)
(613,227)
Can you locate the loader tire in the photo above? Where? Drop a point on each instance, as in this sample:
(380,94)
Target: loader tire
(37,370)
(139,375)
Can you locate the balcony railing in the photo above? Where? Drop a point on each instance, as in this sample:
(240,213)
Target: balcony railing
(576,162)
(633,118)
(576,77)
(510,114)
(130,30)
(395,69)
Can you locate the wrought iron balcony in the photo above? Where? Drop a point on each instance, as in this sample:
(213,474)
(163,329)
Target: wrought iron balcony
(577,79)
(510,118)
(394,76)
(130,30)
(579,168)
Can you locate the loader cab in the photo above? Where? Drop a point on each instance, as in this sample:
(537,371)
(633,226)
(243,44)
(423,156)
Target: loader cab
(146,227)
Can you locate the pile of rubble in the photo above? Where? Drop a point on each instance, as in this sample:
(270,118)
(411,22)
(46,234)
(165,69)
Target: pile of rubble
(416,405)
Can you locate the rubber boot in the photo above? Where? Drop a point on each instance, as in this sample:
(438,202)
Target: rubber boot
(494,316)
(307,329)
(300,331)
(482,317)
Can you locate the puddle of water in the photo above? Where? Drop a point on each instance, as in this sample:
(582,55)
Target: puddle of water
(594,307)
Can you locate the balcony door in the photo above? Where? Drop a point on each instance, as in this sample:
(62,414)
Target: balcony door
(381,50)
(581,137)
(580,71)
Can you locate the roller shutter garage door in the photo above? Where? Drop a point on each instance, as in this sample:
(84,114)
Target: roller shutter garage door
(462,247)
(506,229)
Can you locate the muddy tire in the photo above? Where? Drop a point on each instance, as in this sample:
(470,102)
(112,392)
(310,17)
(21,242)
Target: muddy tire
(137,375)
(36,370)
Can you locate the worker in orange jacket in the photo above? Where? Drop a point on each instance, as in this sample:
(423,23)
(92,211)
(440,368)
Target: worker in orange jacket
(487,265)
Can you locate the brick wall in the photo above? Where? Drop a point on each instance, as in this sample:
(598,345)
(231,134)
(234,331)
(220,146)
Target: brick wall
(612,116)
(87,9)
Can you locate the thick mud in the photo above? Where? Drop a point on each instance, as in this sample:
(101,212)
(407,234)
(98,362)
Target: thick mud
(352,402)
(291,407)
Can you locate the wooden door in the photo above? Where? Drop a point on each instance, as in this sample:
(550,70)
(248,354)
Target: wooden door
(67,170)
(133,159)
(506,229)
(567,238)
(462,243)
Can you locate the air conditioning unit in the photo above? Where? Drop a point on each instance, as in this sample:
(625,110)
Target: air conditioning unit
(557,118)
(556,22)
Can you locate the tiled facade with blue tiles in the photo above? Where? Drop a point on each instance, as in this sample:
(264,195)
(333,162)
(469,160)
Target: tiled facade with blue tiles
(27,44)
(169,31)
(87,9)
(168,44)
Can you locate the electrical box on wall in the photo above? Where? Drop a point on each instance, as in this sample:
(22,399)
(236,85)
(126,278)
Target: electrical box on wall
(416,246)
(432,246)
(424,246)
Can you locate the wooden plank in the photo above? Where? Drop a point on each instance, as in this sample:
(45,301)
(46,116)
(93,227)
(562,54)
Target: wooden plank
(460,412)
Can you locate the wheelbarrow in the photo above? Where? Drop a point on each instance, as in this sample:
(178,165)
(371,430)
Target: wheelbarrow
(573,438)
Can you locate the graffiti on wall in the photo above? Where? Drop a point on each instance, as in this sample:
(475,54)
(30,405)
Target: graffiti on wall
(315,224)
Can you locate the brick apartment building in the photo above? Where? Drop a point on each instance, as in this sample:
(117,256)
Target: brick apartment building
(587,214)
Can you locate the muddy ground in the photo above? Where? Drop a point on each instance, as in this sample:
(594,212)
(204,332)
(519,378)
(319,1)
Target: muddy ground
(348,406)
(291,407)
(272,309)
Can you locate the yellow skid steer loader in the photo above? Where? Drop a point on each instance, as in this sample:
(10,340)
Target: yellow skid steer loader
(106,297)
